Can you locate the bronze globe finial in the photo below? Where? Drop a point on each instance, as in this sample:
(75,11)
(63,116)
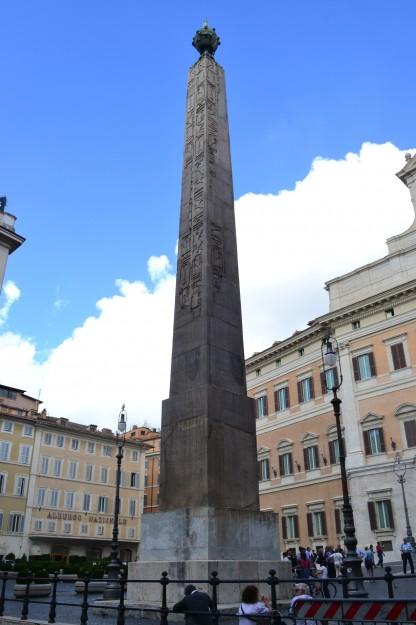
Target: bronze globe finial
(206,40)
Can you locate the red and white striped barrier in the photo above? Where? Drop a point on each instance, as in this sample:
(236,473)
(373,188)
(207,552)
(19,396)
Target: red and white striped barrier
(356,610)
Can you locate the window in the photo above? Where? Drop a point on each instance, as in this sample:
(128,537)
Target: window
(398,356)
(374,441)
(134,480)
(60,440)
(27,430)
(301,352)
(258,372)
(4,450)
(134,455)
(356,324)
(104,475)
(53,498)
(16,523)
(334,450)
(146,481)
(122,478)
(130,532)
(37,525)
(102,504)
(86,503)
(69,500)
(1,520)
(145,500)
(20,486)
(389,313)
(311,458)
(6,392)
(72,470)
(281,398)
(100,530)
(261,406)
(316,523)
(2,482)
(264,469)
(84,528)
(51,526)
(91,448)
(305,390)
(75,444)
(286,464)
(47,438)
(380,514)
(364,366)
(132,507)
(67,528)
(40,499)
(88,472)
(410,431)
(44,465)
(24,454)
(278,362)
(8,427)
(107,450)
(57,466)
(338,520)
(290,527)
(329,380)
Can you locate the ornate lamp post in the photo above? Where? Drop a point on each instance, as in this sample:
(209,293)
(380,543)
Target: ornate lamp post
(333,379)
(400,469)
(112,590)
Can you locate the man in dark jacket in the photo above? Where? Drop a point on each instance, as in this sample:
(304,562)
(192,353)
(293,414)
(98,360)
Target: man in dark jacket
(195,601)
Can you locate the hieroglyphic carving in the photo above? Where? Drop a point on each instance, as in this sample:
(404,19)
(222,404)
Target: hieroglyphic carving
(200,158)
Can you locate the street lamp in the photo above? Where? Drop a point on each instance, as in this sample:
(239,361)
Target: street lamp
(400,469)
(332,373)
(112,589)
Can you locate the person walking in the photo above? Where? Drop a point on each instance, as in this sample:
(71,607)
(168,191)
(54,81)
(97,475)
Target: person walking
(369,562)
(406,553)
(193,604)
(380,554)
(252,608)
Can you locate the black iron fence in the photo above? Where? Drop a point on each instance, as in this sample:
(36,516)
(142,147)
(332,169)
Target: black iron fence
(339,607)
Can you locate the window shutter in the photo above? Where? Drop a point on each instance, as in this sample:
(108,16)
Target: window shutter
(310,523)
(256,405)
(356,369)
(367,446)
(372,364)
(258,472)
(266,407)
(290,464)
(300,392)
(287,397)
(323,519)
(281,465)
(336,377)
(267,471)
(382,443)
(331,452)
(316,454)
(372,515)
(306,460)
(337,521)
(296,524)
(276,401)
(284,528)
(343,447)
(398,356)
(390,512)
(410,430)
(323,383)
(311,387)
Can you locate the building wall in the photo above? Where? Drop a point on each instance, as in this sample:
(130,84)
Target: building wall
(150,436)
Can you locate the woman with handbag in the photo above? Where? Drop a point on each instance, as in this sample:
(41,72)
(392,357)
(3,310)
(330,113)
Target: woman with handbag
(253,609)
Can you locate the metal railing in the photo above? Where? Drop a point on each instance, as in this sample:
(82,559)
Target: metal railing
(275,617)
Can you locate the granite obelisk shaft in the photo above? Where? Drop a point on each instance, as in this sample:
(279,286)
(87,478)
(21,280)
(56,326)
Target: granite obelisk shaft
(208,424)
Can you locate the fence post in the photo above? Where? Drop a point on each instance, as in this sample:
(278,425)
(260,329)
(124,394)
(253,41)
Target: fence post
(214,581)
(389,577)
(273,581)
(52,611)
(25,606)
(121,608)
(164,580)
(3,592)
(84,612)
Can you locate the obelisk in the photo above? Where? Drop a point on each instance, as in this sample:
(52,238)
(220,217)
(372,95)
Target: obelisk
(209,506)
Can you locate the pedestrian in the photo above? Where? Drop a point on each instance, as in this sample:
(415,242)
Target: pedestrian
(337,558)
(194,602)
(406,551)
(252,608)
(369,561)
(301,593)
(304,564)
(380,554)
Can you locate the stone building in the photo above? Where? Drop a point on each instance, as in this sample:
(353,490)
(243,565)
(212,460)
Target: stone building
(9,239)
(373,315)
(151,436)
(58,480)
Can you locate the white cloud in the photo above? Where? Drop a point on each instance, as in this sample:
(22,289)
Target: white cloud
(335,219)
(12,294)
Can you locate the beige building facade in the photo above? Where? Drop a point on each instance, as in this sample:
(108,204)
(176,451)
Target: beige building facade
(59,485)
(373,316)
(150,436)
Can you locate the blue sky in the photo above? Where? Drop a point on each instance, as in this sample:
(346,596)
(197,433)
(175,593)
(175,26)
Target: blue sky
(92,116)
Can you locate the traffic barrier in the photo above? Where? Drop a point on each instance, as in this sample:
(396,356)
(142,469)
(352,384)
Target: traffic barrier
(387,610)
